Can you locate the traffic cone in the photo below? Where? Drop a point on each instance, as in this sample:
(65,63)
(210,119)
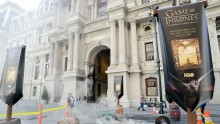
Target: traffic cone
(67,111)
(208,118)
(199,117)
(154,111)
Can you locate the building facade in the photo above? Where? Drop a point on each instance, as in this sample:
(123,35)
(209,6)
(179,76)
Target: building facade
(8,11)
(78,46)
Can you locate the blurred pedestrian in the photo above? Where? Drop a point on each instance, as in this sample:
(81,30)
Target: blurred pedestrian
(69,99)
(141,102)
(72,101)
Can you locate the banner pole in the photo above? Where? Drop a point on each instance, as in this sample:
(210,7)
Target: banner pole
(9,112)
(154,12)
(191,116)
(205,2)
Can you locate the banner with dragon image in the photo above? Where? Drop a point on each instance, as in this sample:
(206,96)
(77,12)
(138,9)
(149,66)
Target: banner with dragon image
(187,59)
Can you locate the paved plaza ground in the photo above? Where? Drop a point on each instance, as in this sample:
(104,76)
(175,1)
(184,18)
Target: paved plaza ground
(90,114)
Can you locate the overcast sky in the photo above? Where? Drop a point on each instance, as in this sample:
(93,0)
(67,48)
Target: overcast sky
(25,4)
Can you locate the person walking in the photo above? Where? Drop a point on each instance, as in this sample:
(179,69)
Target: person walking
(69,99)
(141,102)
(72,101)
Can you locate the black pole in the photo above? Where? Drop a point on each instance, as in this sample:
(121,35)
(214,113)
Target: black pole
(158,61)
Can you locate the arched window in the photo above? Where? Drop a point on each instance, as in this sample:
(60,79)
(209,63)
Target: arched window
(34,91)
(151,86)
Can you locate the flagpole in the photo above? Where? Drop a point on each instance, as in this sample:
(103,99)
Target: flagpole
(154,13)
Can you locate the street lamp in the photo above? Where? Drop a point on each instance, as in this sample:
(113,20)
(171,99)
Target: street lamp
(154,13)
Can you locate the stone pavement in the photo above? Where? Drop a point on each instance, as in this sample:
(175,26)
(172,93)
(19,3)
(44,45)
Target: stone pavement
(87,114)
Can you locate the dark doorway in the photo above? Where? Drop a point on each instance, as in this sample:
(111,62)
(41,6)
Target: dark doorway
(97,87)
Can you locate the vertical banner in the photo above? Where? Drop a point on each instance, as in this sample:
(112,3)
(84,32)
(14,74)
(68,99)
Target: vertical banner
(187,60)
(118,86)
(11,85)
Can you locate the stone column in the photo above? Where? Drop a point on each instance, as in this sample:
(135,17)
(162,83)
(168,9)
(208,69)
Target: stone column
(30,75)
(55,60)
(6,19)
(70,51)
(44,35)
(34,43)
(73,6)
(88,12)
(95,10)
(92,12)
(27,63)
(122,42)
(59,13)
(213,36)
(113,42)
(43,67)
(78,6)
(76,51)
(51,58)
(134,48)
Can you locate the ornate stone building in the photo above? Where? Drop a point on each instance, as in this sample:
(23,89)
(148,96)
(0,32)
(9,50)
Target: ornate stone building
(8,11)
(79,46)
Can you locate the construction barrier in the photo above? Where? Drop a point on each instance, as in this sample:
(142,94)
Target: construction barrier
(207,117)
(199,116)
(154,111)
(34,113)
(40,115)
(67,111)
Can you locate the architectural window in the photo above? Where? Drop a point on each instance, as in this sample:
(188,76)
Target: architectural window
(218,24)
(37,68)
(34,91)
(36,72)
(65,56)
(181,2)
(144,1)
(149,51)
(101,7)
(151,86)
(66,61)
(47,57)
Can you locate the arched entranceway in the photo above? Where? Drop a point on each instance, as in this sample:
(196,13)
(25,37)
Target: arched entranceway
(97,83)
